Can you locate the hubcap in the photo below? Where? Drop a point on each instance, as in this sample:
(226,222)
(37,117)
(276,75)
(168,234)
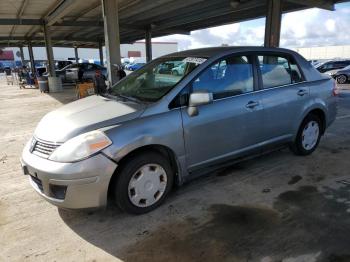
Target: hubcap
(341,79)
(147,185)
(310,135)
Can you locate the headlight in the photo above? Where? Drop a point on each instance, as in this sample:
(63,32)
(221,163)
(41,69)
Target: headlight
(81,147)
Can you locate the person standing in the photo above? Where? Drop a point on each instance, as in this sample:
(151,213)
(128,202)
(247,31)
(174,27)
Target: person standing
(100,83)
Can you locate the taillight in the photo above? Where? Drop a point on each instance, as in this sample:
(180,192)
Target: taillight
(335,91)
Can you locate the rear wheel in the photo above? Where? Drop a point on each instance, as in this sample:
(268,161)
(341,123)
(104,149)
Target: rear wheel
(144,182)
(341,79)
(308,136)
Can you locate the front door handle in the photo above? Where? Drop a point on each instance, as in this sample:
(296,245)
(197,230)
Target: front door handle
(302,92)
(251,104)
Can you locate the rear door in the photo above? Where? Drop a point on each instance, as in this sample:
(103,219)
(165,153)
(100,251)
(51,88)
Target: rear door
(284,96)
(231,125)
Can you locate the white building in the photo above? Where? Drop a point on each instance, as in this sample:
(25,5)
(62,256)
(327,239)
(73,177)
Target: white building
(136,49)
(324,52)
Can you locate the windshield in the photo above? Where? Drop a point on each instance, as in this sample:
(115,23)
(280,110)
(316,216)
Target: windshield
(155,79)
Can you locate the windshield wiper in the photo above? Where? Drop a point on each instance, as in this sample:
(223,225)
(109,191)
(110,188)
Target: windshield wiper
(133,99)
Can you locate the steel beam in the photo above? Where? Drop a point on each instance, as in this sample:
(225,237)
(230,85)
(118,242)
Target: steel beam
(273,23)
(19,21)
(112,37)
(148,44)
(49,51)
(76,54)
(31,57)
(100,51)
(73,39)
(322,4)
(64,8)
(208,12)
(22,55)
(19,14)
(65,23)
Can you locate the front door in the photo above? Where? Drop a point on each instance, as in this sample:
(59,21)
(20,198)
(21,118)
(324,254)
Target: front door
(231,125)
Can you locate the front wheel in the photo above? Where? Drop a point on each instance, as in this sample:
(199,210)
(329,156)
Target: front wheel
(308,136)
(144,182)
(342,79)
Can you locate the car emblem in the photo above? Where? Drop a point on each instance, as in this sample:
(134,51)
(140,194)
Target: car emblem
(32,145)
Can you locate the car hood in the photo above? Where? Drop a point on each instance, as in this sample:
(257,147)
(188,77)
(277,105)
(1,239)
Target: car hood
(85,115)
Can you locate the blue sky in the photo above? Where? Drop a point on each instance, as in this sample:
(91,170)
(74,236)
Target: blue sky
(311,27)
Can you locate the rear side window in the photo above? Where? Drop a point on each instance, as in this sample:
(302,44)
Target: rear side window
(278,71)
(228,77)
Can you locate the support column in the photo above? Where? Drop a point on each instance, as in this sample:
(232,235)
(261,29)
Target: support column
(112,37)
(76,54)
(100,51)
(31,57)
(273,23)
(148,38)
(22,55)
(49,51)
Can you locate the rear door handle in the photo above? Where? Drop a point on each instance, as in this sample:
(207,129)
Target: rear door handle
(251,104)
(302,92)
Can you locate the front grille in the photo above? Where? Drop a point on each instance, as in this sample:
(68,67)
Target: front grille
(43,149)
(38,182)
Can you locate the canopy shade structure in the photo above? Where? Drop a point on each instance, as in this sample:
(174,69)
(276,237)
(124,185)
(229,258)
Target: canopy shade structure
(79,23)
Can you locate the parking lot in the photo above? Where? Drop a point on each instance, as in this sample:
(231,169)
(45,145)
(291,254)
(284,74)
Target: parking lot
(278,207)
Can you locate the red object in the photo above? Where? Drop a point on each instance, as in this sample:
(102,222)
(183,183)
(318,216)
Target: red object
(335,90)
(6,55)
(134,54)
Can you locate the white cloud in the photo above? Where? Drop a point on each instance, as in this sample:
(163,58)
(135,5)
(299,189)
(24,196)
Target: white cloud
(330,25)
(224,31)
(312,27)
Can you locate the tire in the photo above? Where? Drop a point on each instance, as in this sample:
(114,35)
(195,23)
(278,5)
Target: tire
(128,184)
(175,73)
(302,145)
(342,79)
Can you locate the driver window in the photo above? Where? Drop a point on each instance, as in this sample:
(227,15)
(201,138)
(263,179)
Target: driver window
(229,77)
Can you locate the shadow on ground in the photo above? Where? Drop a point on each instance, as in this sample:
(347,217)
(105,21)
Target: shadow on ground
(68,95)
(302,221)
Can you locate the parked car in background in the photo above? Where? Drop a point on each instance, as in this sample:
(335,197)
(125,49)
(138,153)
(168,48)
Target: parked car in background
(40,71)
(126,66)
(62,64)
(343,75)
(70,72)
(332,65)
(135,66)
(125,61)
(179,70)
(153,130)
(167,68)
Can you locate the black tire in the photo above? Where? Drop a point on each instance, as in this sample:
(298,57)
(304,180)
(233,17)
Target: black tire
(126,172)
(342,79)
(297,147)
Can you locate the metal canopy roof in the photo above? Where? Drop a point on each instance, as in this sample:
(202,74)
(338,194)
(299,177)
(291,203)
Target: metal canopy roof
(80,22)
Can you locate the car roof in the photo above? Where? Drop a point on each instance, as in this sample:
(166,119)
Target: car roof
(213,51)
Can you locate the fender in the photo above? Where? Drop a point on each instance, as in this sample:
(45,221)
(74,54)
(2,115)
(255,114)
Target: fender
(163,129)
(311,105)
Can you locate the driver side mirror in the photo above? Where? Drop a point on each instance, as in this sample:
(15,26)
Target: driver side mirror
(197,99)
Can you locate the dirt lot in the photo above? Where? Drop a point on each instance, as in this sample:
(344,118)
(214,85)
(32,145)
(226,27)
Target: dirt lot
(278,207)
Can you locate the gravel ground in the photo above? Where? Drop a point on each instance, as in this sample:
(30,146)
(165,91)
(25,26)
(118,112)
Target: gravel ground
(277,207)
